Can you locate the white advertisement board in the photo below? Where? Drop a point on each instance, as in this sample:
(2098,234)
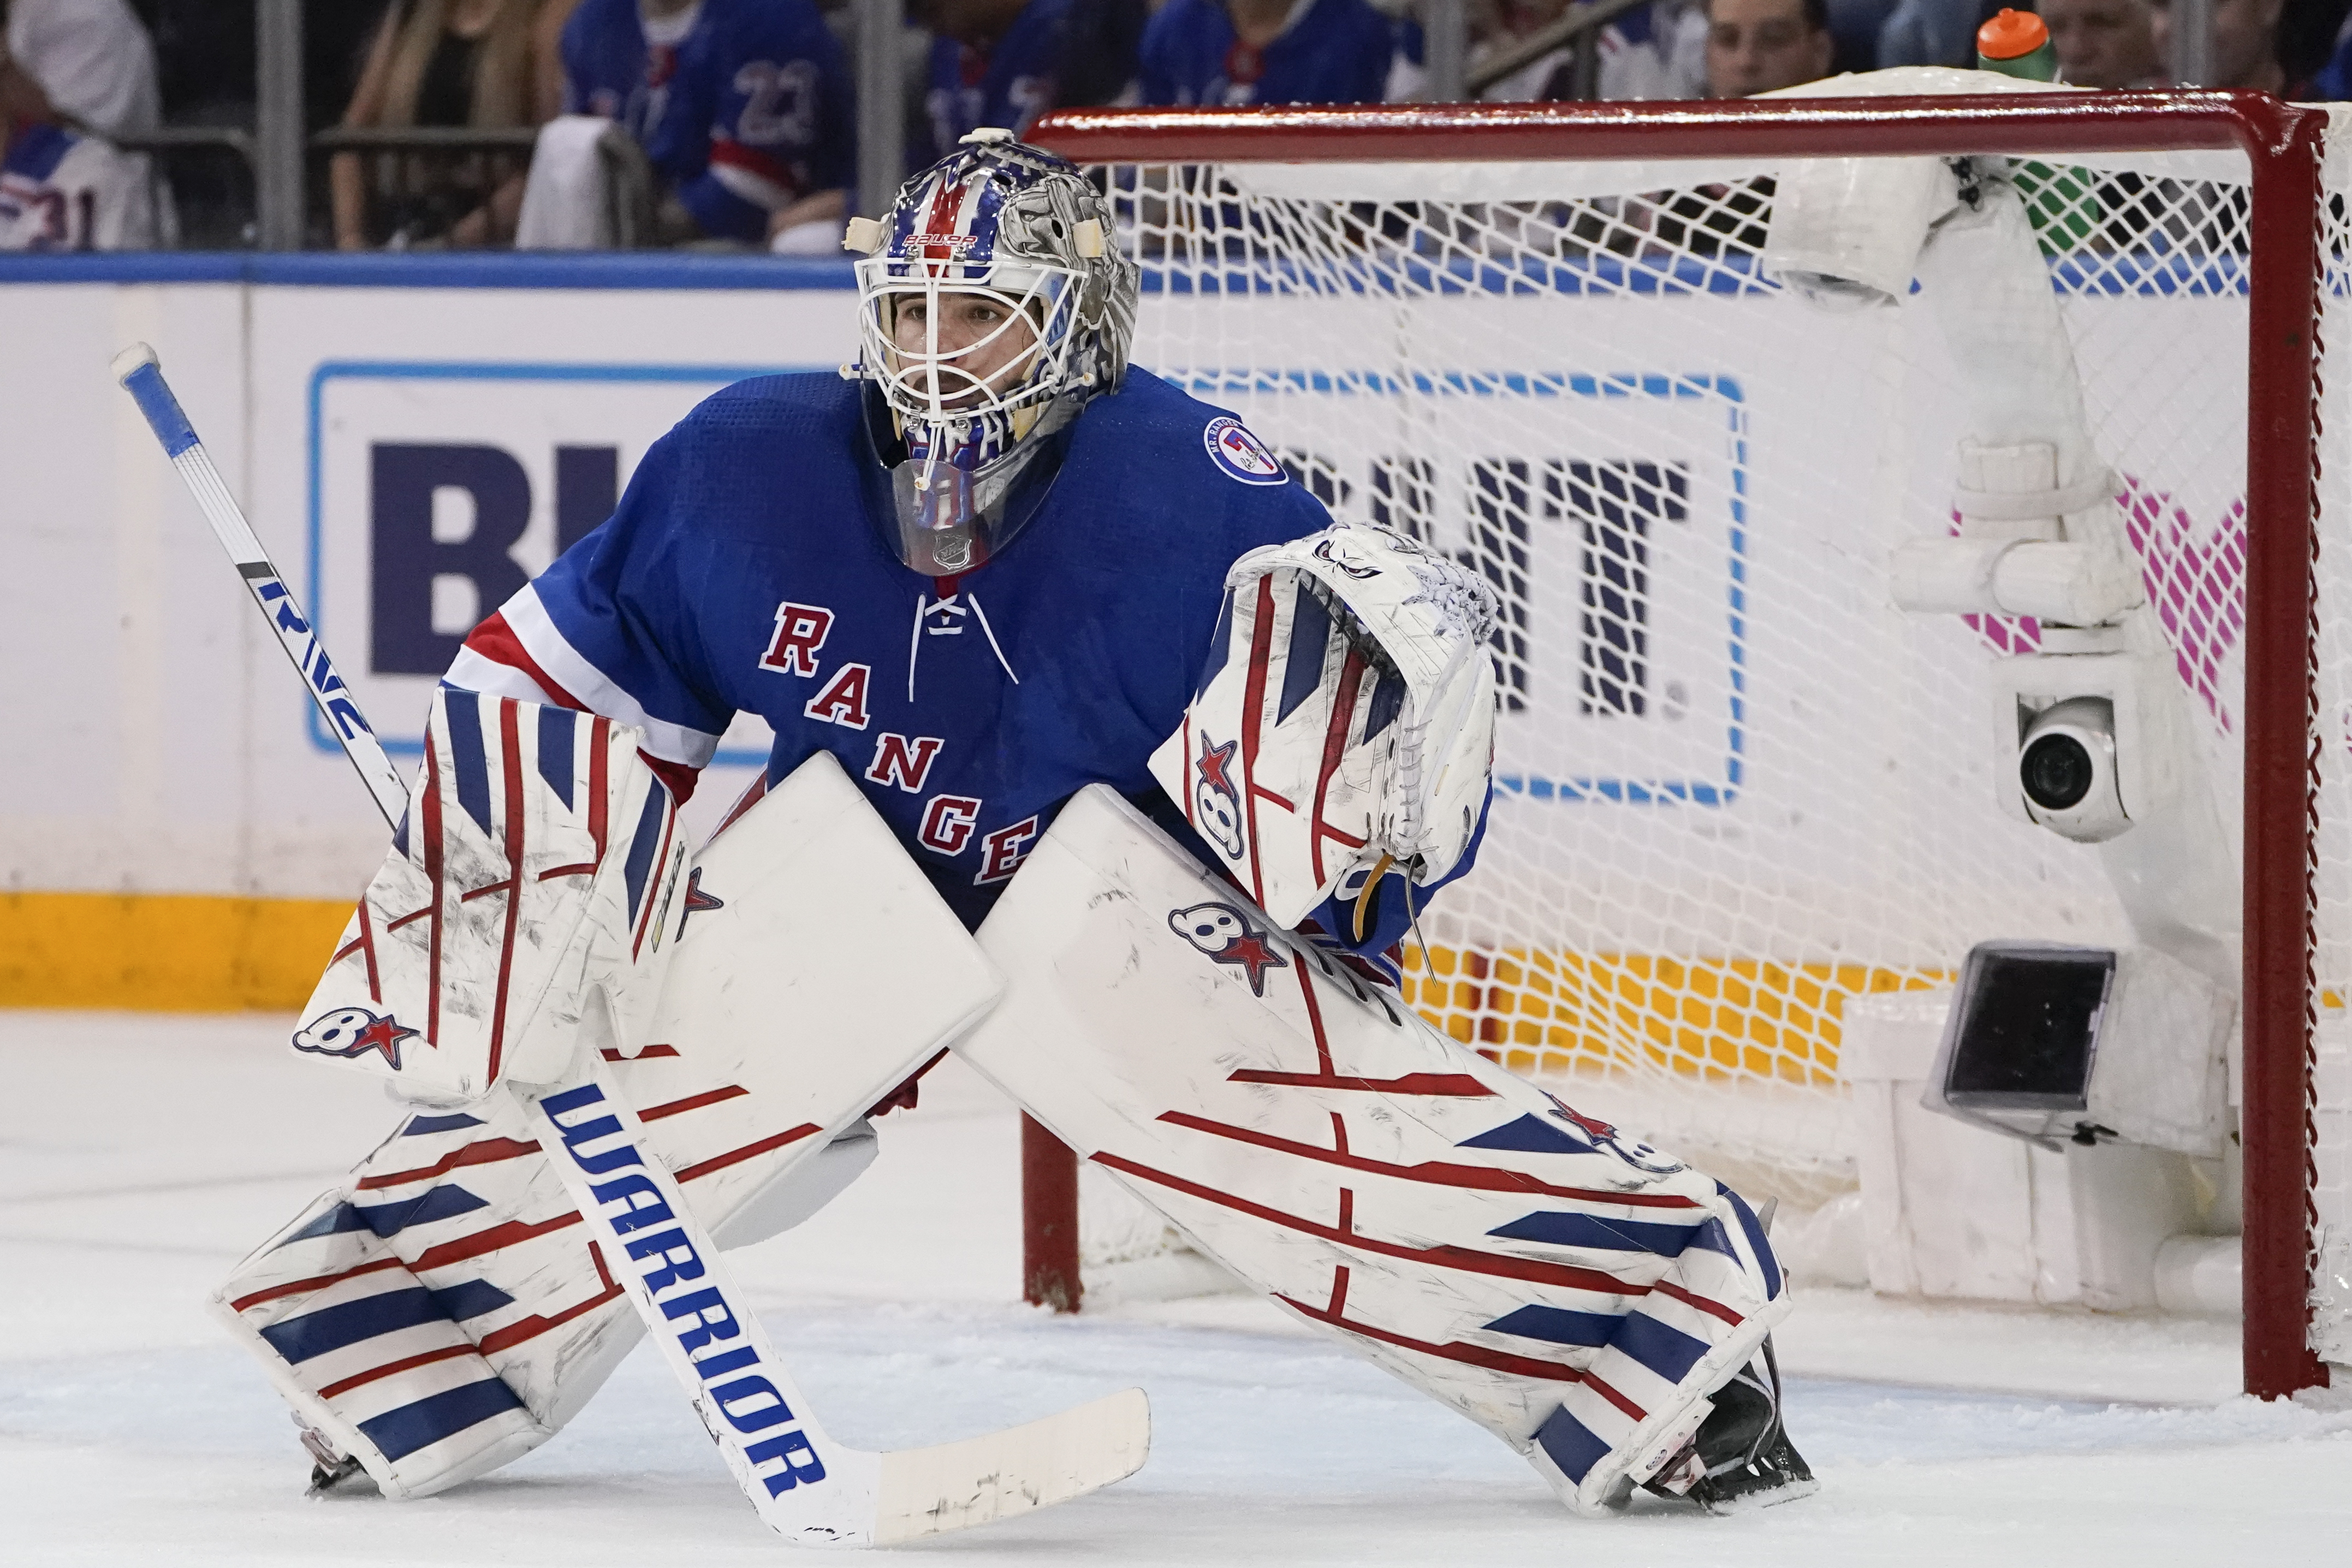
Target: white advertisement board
(1710,484)
(410,457)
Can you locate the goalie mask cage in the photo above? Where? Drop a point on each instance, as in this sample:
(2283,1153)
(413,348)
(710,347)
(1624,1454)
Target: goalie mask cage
(1736,786)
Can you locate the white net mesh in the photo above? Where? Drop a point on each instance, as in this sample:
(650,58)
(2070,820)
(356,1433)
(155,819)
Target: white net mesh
(1736,784)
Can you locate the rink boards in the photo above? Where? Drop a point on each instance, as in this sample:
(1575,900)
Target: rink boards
(415,436)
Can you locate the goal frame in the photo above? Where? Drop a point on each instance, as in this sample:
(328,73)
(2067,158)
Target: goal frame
(2280,735)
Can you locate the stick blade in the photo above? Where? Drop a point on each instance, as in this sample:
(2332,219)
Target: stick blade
(954,1485)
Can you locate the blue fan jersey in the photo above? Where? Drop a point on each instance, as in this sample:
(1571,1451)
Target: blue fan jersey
(748,112)
(1010,84)
(1332,51)
(745,569)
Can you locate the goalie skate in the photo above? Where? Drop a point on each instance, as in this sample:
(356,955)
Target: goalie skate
(1740,1457)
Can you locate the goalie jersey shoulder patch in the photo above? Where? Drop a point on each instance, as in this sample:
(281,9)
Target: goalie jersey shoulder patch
(1241,454)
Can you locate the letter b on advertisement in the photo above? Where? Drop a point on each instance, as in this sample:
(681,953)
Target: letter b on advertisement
(444,521)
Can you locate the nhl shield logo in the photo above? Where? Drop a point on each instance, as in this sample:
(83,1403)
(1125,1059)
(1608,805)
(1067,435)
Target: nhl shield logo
(353,1032)
(1226,935)
(1240,454)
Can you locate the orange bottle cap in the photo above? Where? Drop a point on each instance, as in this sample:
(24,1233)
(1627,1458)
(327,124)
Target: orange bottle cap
(2011,35)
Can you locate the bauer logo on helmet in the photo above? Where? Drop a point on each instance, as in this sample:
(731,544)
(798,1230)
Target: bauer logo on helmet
(961,244)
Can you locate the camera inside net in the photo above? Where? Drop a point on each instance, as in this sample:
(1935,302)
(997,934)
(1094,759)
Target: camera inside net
(2068,770)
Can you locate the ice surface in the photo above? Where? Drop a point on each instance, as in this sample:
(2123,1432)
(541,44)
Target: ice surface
(139,1157)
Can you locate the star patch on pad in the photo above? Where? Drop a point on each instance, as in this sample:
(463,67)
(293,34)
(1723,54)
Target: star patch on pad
(354,1032)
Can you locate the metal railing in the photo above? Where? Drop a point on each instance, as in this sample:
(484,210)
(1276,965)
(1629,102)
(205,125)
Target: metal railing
(1445,49)
(180,138)
(2192,40)
(881,103)
(279,215)
(422,138)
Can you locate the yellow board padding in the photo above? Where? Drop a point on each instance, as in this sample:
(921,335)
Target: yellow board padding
(172,953)
(1536,1009)
(1532,1009)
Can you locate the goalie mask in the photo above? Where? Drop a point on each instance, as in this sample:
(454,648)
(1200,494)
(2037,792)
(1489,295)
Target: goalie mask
(992,307)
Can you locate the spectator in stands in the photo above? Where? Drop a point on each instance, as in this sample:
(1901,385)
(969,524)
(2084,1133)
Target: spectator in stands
(1929,33)
(205,62)
(1656,51)
(22,101)
(1856,25)
(2105,43)
(1496,29)
(21,98)
(439,63)
(741,111)
(1006,62)
(2245,46)
(93,59)
(2333,82)
(60,190)
(204,57)
(1758,46)
(2309,33)
(1212,52)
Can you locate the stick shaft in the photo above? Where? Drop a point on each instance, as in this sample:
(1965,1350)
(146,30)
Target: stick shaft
(805,1486)
(142,377)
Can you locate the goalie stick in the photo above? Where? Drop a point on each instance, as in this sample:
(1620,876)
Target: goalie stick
(141,376)
(809,1488)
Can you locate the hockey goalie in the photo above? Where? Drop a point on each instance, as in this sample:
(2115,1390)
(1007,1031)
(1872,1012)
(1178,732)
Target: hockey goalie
(1103,757)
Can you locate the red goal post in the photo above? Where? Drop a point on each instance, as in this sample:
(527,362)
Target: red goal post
(2279,722)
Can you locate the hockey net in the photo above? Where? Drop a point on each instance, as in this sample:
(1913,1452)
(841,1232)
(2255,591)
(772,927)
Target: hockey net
(1737,788)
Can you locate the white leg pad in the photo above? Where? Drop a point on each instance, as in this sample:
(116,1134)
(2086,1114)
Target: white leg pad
(1572,1292)
(784,1018)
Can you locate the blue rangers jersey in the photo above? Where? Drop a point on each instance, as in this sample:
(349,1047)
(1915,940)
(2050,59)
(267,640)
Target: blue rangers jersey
(1328,51)
(742,106)
(746,570)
